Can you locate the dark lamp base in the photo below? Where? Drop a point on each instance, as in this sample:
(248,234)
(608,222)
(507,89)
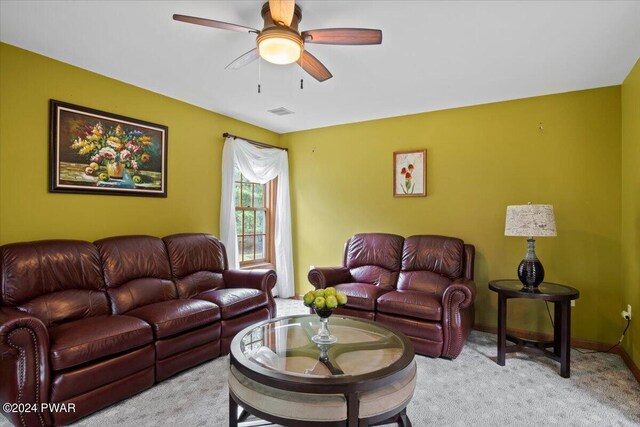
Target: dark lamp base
(530,273)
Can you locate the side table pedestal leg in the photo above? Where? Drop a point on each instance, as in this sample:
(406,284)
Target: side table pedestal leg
(557,328)
(502,329)
(565,339)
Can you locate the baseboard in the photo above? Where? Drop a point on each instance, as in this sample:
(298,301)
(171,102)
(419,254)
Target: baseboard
(628,361)
(575,342)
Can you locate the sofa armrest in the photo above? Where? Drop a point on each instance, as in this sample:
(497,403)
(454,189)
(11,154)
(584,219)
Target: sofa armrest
(461,292)
(24,365)
(321,277)
(457,315)
(261,279)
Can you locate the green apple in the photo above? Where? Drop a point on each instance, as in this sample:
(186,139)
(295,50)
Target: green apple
(94,166)
(341,297)
(137,179)
(330,291)
(319,302)
(308,298)
(319,293)
(103,177)
(332,302)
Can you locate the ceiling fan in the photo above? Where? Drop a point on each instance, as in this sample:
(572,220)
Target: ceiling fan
(280,41)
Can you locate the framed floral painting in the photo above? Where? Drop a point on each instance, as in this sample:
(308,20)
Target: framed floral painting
(410,173)
(102,153)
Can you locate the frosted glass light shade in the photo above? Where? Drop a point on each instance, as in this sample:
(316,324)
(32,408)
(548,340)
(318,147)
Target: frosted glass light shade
(279,50)
(530,221)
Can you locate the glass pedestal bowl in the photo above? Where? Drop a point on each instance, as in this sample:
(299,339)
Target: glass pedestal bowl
(324,336)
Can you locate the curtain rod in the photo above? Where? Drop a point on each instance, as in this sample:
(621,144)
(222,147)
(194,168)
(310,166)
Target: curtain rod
(259,144)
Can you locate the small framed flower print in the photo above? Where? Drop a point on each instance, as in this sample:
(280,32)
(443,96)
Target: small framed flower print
(91,151)
(410,173)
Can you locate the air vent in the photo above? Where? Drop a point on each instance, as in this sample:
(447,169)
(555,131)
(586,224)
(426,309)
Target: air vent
(280,111)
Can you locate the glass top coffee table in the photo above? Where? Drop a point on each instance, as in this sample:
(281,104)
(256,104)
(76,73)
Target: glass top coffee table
(277,358)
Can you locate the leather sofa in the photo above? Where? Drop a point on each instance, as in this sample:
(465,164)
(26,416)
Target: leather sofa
(90,324)
(421,285)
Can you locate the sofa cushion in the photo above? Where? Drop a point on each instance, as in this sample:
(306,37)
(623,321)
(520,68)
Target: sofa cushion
(383,250)
(423,281)
(412,304)
(85,340)
(414,328)
(362,296)
(188,341)
(175,316)
(374,258)
(55,280)
(236,301)
(375,275)
(31,269)
(136,271)
(73,382)
(439,254)
(65,306)
(197,262)
(354,312)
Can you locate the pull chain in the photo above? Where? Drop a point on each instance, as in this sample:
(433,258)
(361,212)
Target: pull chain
(259,74)
(302,69)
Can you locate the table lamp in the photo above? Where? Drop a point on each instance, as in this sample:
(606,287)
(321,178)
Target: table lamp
(530,221)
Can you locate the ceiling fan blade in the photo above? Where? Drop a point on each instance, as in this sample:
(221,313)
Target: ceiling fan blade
(314,67)
(344,36)
(244,59)
(282,11)
(214,24)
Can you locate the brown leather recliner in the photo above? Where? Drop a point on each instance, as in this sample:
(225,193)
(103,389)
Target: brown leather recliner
(59,339)
(370,268)
(138,278)
(421,285)
(200,270)
(92,324)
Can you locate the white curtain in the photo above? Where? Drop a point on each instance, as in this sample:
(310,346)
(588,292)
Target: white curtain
(259,165)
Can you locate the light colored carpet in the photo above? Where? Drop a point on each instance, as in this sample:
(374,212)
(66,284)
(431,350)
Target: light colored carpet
(470,390)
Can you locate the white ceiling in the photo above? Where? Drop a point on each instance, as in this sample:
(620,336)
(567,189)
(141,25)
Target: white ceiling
(434,55)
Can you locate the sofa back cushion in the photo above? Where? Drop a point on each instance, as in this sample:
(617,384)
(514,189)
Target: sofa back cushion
(374,258)
(197,262)
(136,271)
(54,280)
(430,263)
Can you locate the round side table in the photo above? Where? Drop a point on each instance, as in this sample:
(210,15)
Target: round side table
(561,297)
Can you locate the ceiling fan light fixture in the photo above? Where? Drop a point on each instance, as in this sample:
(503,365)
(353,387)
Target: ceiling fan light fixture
(279,46)
(281,42)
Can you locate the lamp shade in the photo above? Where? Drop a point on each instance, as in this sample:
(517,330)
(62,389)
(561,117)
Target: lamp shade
(530,220)
(279,45)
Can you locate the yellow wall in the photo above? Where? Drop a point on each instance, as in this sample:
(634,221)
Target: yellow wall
(28,211)
(631,206)
(479,160)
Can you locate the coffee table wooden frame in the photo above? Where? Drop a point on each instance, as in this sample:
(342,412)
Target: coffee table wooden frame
(350,386)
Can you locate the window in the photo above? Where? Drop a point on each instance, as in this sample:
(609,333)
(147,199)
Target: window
(254,220)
